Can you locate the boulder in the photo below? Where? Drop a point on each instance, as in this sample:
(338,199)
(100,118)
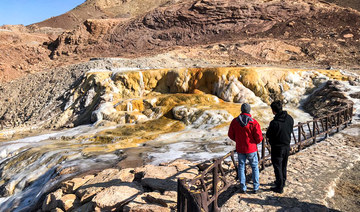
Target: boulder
(69,202)
(159,178)
(70,186)
(51,200)
(57,210)
(126,175)
(180,164)
(153,201)
(88,207)
(104,179)
(115,196)
(146,208)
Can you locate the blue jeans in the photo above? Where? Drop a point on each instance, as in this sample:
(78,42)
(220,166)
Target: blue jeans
(253,159)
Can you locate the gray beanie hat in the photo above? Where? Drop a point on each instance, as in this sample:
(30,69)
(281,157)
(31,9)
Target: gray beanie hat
(245,108)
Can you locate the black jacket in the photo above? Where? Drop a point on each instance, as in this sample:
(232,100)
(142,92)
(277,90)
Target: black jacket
(280,129)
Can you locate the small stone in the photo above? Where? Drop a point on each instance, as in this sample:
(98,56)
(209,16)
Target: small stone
(348,35)
(57,210)
(69,202)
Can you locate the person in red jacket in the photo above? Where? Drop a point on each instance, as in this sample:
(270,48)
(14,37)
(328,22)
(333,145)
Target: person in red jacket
(246,132)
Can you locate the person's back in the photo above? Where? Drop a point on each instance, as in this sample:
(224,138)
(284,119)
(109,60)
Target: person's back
(279,135)
(246,132)
(280,129)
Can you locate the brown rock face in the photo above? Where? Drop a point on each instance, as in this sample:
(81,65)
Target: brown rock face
(100,9)
(205,22)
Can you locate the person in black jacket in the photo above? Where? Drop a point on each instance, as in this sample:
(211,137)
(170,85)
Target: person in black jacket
(279,135)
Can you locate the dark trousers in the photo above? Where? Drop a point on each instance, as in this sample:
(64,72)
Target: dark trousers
(279,159)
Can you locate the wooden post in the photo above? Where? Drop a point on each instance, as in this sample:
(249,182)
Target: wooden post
(338,122)
(327,126)
(299,135)
(215,207)
(181,200)
(263,153)
(346,117)
(314,131)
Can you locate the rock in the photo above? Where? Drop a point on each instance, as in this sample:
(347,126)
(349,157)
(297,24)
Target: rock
(57,210)
(115,196)
(67,170)
(329,97)
(49,203)
(354,83)
(180,164)
(69,202)
(52,200)
(185,168)
(355,95)
(160,178)
(200,117)
(145,208)
(70,186)
(168,199)
(106,178)
(178,81)
(126,175)
(153,201)
(88,207)
(348,35)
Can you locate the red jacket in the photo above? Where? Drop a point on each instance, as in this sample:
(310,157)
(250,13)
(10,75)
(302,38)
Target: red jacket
(246,132)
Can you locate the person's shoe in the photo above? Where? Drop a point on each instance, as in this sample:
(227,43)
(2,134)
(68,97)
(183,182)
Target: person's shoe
(242,192)
(257,191)
(277,190)
(274,183)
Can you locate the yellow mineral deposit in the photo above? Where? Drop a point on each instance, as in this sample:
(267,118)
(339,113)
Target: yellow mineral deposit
(146,97)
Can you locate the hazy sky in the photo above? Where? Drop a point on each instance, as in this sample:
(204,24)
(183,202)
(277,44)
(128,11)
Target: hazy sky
(31,11)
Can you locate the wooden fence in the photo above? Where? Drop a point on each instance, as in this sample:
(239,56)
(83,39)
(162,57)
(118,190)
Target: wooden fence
(202,192)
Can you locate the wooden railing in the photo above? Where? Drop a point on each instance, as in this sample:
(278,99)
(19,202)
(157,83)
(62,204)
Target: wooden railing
(202,192)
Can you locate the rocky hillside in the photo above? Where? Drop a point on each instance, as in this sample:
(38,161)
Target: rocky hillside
(271,31)
(103,9)
(227,33)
